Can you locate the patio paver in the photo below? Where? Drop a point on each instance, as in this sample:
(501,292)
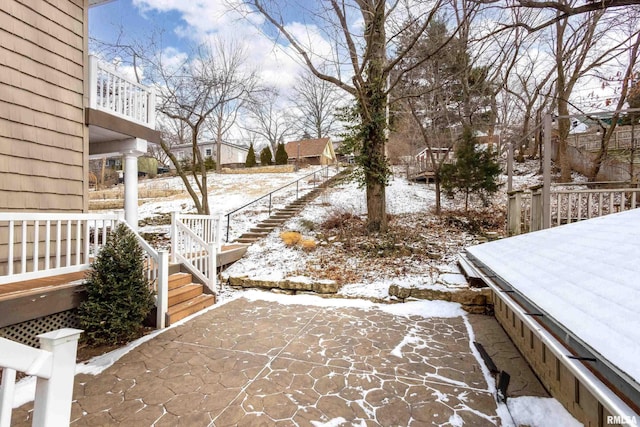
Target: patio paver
(264,363)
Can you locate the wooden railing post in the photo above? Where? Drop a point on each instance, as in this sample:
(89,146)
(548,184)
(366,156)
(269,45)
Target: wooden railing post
(537,210)
(514,213)
(52,406)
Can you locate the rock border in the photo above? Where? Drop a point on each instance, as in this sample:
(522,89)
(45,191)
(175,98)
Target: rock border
(472,300)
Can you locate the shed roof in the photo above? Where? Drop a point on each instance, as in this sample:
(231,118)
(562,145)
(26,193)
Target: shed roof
(585,276)
(308,147)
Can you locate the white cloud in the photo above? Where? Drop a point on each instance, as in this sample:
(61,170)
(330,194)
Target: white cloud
(277,63)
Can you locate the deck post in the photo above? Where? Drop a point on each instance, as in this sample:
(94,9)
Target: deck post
(52,405)
(537,209)
(162,297)
(514,213)
(131,189)
(213,267)
(546,175)
(509,167)
(174,236)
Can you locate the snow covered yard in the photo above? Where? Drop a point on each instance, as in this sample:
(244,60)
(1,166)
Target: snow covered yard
(419,252)
(417,376)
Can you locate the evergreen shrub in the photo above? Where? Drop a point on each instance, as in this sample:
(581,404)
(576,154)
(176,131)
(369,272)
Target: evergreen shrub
(118,295)
(265,156)
(251,158)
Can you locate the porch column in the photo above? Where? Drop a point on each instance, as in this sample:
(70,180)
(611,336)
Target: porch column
(131,188)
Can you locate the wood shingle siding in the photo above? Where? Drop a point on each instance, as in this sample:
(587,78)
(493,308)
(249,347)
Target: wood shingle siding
(43,138)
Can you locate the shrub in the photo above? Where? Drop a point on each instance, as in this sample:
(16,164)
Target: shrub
(251,157)
(337,219)
(209,163)
(282,158)
(291,238)
(308,245)
(118,295)
(265,156)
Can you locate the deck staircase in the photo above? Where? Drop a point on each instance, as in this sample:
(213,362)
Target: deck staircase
(185,296)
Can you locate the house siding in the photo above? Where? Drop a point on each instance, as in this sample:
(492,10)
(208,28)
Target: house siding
(43,139)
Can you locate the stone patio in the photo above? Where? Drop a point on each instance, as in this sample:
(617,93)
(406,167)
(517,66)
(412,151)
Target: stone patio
(262,363)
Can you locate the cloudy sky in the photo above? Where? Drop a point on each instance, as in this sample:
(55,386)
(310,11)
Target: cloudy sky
(186,24)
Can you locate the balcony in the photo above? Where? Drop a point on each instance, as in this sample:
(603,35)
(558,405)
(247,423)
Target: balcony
(120,109)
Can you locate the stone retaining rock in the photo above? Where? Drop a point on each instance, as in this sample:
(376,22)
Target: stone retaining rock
(472,300)
(294,286)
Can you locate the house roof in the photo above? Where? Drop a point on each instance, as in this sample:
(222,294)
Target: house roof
(585,277)
(308,147)
(211,144)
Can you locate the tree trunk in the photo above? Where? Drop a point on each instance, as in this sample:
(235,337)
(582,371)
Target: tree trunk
(436,182)
(219,144)
(373,111)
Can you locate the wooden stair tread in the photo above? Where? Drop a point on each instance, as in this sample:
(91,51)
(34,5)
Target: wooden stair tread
(186,308)
(179,279)
(184,293)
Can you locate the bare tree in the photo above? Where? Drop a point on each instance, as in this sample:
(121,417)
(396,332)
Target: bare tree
(317,102)
(370,52)
(626,95)
(233,90)
(267,119)
(578,50)
(561,8)
(530,85)
(190,94)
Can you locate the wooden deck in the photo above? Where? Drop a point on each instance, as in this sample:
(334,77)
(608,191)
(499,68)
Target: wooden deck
(31,299)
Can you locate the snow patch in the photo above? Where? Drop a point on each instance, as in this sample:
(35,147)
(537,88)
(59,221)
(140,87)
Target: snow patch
(540,412)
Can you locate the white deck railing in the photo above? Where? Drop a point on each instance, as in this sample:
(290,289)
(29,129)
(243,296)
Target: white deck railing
(116,94)
(54,366)
(46,244)
(43,244)
(525,207)
(196,241)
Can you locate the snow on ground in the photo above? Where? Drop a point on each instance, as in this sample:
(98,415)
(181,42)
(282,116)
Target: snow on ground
(270,259)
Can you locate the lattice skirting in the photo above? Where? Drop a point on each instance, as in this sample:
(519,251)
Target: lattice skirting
(26,332)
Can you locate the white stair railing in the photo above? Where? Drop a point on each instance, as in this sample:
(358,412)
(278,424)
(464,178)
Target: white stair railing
(575,205)
(195,241)
(54,366)
(156,270)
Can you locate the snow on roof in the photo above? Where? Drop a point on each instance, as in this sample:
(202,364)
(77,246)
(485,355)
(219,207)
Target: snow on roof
(585,275)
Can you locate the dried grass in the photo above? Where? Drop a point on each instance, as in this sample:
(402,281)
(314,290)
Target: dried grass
(308,245)
(291,238)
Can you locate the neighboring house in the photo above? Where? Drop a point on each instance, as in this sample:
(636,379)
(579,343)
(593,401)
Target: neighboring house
(229,153)
(568,297)
(318,151)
